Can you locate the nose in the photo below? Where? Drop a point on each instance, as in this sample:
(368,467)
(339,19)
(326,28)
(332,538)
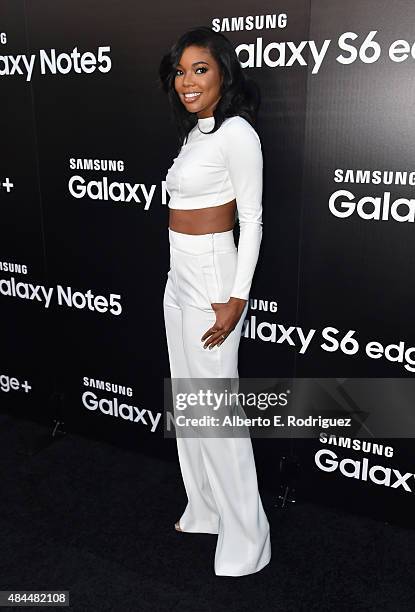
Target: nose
(187,79)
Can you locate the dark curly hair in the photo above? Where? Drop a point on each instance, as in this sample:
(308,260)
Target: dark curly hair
(239,94)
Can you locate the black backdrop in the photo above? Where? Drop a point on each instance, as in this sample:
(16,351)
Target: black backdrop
(317,269)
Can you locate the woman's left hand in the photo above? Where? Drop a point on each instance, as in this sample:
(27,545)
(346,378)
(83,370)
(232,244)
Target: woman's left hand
(227,316)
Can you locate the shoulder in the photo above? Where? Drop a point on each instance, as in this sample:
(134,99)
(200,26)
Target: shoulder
(238,130)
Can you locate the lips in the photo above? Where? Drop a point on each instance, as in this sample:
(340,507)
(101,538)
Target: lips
(193,97)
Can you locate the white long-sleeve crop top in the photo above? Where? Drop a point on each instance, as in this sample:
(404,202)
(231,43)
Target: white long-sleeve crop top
(212,169)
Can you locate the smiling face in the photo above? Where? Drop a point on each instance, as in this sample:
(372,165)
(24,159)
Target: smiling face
(198,72)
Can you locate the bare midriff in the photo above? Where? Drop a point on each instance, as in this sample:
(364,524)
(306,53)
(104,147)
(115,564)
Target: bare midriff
(210,220)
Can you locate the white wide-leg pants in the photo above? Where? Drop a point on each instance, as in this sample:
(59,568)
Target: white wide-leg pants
(219,474)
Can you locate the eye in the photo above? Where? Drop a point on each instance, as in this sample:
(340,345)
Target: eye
(203,68)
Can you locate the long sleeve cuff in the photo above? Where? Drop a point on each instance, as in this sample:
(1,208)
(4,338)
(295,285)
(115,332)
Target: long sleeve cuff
(250,238)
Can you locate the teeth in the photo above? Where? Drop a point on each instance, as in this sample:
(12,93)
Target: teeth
(192,95)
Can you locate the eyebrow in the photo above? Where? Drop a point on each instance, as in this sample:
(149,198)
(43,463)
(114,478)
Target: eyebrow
(194,63)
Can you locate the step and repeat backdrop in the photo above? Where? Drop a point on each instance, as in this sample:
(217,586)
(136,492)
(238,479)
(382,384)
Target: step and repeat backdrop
(86,141)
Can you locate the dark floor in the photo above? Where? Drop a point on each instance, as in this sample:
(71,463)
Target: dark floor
(90,518)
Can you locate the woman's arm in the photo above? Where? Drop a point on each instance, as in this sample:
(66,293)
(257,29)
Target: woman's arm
(243,157)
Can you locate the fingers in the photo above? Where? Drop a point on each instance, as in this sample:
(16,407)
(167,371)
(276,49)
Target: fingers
(224,325)
(209,332)
(214,337)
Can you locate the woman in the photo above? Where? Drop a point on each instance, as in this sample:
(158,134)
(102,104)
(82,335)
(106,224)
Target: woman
(215,178)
